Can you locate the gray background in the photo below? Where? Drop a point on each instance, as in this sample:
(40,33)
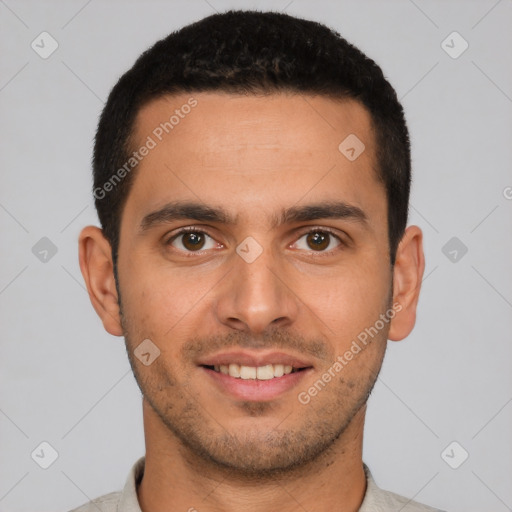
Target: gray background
(65,381)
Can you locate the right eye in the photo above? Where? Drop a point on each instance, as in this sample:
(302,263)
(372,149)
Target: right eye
(191,240)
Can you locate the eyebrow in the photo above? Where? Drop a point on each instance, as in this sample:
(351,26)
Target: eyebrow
(178,210)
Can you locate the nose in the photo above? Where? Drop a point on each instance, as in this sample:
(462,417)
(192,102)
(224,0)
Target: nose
(257,295)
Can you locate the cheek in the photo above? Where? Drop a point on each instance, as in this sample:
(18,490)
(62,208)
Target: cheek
(347,300)
(160,302)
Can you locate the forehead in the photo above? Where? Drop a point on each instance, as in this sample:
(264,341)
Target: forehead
(303,122)
(250,150)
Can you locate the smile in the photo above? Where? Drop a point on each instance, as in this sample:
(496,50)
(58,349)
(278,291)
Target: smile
(266,372)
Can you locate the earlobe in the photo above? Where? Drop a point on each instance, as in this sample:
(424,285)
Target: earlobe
(97,268)
(407,276)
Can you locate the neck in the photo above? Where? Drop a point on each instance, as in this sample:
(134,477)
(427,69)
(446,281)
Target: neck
(177,480)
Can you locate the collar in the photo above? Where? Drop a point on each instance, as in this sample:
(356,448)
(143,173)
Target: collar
(128,501)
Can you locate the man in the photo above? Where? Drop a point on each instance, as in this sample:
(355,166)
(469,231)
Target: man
(251,176)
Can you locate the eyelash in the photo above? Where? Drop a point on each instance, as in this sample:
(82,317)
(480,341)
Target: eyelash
(191,229)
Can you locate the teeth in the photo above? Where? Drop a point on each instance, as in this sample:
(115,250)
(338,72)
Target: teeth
(266,372)
(234,370)
(278,370)
(247,372)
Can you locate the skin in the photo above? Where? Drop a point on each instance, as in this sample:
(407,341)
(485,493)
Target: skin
(254,156)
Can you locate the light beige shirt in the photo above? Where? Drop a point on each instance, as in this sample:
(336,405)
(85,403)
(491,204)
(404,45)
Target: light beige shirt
(375,499)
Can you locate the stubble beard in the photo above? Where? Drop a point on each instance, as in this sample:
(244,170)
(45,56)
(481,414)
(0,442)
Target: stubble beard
(298,440)
(289,447)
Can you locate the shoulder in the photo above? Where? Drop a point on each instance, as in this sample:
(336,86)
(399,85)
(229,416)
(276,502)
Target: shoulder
(389,501)
(105,503)
(379,500)
(125,500)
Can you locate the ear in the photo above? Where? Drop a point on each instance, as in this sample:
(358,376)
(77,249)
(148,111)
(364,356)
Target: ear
(407,277)
(95,256)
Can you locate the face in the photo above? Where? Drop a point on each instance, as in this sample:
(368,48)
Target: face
(252,247)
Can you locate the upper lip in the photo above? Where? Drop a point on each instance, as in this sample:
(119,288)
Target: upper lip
(247,358)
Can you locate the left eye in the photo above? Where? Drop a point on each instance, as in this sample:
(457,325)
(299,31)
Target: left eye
(318,241)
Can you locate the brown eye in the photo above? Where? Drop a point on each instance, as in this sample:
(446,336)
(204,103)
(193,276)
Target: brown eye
(318,240)
(192,241)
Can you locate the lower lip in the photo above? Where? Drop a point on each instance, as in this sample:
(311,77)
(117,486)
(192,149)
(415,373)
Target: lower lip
(254,389)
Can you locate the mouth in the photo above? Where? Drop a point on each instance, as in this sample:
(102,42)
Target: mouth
(255,376)
(266,372)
